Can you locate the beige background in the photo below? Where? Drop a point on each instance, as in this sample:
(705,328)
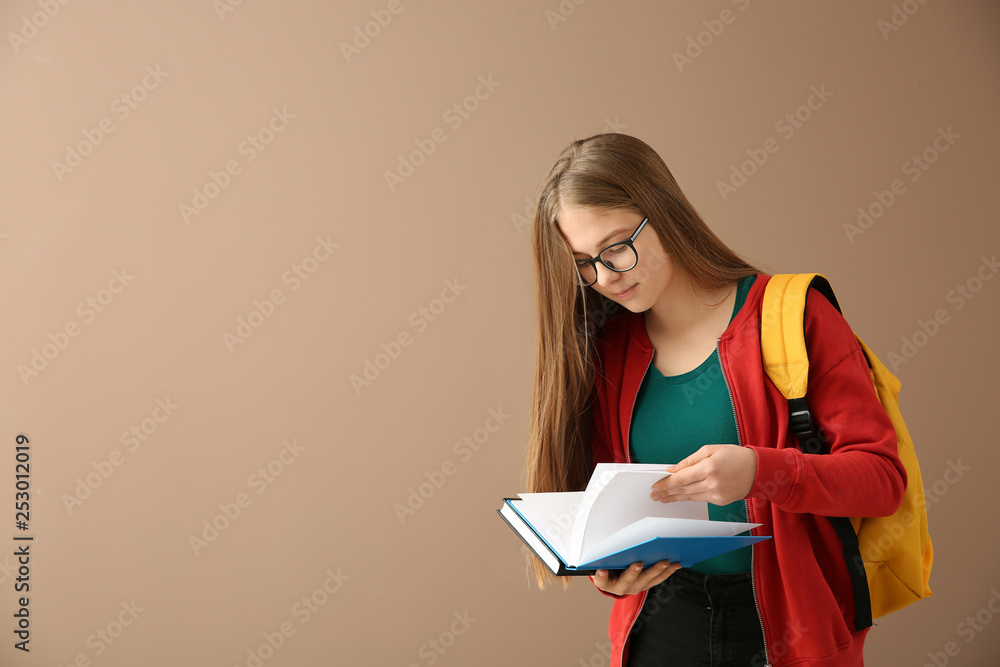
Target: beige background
(461,216)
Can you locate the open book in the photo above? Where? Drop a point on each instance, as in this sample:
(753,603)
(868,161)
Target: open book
(614,523)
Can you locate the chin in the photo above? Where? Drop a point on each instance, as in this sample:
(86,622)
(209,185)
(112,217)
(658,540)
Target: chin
(630,302)
(634,306)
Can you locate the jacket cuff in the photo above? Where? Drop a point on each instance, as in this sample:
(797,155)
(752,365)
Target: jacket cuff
(777,472)
(604,592)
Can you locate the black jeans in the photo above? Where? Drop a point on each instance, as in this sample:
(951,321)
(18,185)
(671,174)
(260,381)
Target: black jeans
(694,620)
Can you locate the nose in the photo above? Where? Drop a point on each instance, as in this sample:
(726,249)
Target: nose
(605,276)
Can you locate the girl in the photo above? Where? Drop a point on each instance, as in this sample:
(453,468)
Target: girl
(676,376)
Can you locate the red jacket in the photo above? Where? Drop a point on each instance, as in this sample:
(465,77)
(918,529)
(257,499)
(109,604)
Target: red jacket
(800,580)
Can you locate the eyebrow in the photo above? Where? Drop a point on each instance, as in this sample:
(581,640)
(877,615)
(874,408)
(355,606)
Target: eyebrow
(603,243)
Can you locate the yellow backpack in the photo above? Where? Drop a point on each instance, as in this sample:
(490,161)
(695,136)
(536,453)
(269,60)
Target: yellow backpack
(889,558)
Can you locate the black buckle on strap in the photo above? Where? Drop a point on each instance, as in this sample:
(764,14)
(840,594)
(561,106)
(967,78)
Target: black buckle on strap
(800,419)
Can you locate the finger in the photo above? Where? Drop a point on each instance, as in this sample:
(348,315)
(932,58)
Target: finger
(662,479)
(668,572)
(696,497)
(686,478)
(621,581)
(683,478)
(629,575)
(699,491)
(654,574)
(603,580)
(689,482)
(663,573)
(675,497)
(703,453)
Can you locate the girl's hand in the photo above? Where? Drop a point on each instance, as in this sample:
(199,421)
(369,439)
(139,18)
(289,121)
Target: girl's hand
(635,580)
(719,474)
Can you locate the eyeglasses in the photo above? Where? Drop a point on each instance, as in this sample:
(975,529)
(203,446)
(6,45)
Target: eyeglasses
(618,257)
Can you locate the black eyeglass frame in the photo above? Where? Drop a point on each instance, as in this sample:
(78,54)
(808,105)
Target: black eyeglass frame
(630,242)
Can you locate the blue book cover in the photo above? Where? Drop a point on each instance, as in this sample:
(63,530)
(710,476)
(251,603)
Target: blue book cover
(614,523)
(686,550)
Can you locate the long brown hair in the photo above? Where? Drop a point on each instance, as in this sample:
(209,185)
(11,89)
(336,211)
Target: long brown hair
(606,171)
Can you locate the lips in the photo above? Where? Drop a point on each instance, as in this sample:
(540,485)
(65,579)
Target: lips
(624,293)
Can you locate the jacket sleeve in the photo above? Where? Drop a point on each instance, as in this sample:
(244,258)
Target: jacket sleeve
(862,474)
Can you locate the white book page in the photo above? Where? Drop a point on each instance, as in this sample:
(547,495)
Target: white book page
(623,500)
(518,523)
(553,515)
(603,472)
(603,475)
(648,528)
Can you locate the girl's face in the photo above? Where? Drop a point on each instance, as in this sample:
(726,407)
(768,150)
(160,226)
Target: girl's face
(589,230)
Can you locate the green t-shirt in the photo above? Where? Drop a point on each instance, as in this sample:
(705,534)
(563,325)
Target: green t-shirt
(675,415)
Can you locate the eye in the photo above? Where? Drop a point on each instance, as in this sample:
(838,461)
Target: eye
(616,249)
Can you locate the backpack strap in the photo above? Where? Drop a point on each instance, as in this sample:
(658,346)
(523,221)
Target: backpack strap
(786,362)
(783,348)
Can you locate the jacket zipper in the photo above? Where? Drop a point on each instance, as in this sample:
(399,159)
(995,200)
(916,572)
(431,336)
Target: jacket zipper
(753,547)
(628,459)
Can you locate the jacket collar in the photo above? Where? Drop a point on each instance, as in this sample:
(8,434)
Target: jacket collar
(640,337)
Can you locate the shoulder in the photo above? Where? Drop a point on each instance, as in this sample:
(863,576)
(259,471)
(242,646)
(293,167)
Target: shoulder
(829,337)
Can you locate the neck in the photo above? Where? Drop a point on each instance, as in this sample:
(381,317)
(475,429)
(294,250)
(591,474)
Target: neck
(683,306)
